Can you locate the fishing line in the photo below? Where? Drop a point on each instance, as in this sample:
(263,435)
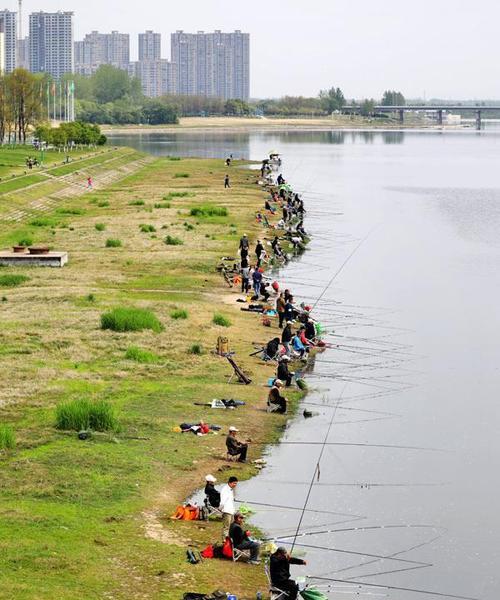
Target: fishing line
(363,445)
(309,510)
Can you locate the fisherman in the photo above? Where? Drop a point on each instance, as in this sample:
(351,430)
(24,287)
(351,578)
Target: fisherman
(282,372)
(241,539)
(280,180)
(272,349)
(244,243)
(227,505)
(286,336)
(276,399)
(245,277)
(280,309)
(310,331)
(279,567)
(228,162)
(212,494)
(257,281)
(235,447)
(290,312)
(227,183)
(259,251)
(298,346)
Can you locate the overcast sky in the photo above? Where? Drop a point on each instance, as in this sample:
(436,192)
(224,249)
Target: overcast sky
(436,48)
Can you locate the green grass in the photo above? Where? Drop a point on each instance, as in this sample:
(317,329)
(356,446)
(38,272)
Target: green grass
(208,210)
(103,204)
(173,241)
(179,313)
(196,349)
(70,211)
(137,203)
(130,319)
(44,222)
(113,243)
(100,227)
(25,241)
(162,205)
(221,320)
(172,195)
(7,438)
(13,280)
(20,182)
(82,414)
(181,175)
(147,228)
(140,355)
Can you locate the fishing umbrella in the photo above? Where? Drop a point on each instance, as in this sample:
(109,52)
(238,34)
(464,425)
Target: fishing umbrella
(313,594)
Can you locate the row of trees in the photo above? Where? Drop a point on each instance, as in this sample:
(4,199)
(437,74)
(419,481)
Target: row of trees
(71,134)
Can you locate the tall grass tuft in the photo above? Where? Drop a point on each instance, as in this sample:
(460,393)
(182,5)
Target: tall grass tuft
(100,227)
(130,319)
(12,280)
(7,438)
(25,241)
(181,175)
(196,349)
(140,355)
(112,243)
(137,203)
(179,313)
(147,228)
(173,241)
(209,210)
(162,205)
(81,414)
(221,320)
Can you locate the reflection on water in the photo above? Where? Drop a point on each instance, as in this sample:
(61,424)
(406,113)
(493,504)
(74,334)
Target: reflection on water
(409,485)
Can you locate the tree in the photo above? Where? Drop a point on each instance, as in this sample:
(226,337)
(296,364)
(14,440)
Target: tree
(393,98)
(156,112)
(110,84)
(237,107)
(367,107)
(331,100)
(23,93)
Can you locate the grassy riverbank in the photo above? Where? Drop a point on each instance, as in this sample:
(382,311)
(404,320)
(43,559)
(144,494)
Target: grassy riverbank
(90,518)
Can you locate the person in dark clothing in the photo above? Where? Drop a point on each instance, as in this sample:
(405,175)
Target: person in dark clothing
(279,568)
(275,399)
(244,262)
(283,373)
(227,183)
(280,309)
(213,495)
(290,311)
(241,540)
(257,281)
(235,447)
(259,251)
(272,348)
(288,295)
(310,330)
(280,179)
(286,336)
(244,243)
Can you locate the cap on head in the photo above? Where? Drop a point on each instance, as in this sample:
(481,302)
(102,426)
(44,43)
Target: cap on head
(238,515)
(278,383)
(285,358)
(210,478)
(233,429)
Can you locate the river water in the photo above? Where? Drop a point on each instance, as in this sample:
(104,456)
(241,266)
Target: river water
(407,400)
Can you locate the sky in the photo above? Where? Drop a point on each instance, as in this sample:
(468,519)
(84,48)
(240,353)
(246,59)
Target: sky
(427,49)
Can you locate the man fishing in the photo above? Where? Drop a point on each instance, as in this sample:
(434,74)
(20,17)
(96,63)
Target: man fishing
(279,567)
(235,447)
(242,541)
(227,505)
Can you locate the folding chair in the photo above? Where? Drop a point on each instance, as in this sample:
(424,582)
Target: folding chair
(213,511)
(240,554)
(272,408)
(274,592)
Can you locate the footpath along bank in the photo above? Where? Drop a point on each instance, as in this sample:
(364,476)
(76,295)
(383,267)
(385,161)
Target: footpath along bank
(92,516)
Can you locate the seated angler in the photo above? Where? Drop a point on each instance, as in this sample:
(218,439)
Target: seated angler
(235,447)
(241,539)
(212,494)
(275,401)
(283,373)
(279,567)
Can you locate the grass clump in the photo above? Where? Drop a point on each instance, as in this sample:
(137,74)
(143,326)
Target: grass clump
(13,280)
(130,319)
(84,414)
(103,204)
(173,241)
(147,228)
(174,158)
(7,438)
(140,355)
(100,227)
(181,175)
(179,313)
(25,241)
(137,203)
(113,243)
(90,298)
(208,210)
(221,320)
(196,349)
(179,195)
(188,227)
(43,222)
(162,205)
(70,211)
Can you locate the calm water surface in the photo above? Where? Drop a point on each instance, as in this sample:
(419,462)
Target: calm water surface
(415,315)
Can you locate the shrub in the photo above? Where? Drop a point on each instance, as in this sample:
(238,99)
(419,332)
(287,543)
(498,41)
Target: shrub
(42,222)
(112,243)
(140,355)
(173,241)
(196,349)
(181,175)
(137,203)
(130,319)
(162,205)
(208,210)
(176,158)
(221,320)
(179,195)
(7,438)
(84,414)
(103,204)
(70,211)
(12,280)
(26,241)
(90,298)
(188,227)
(100,226)
(147,228)
(179,313)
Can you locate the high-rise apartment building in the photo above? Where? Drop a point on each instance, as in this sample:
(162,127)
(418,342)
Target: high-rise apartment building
(51,43)
(8,26)
(212,64)
(2,52)
(98,49)
(23,53)
(149,46)
(157,77)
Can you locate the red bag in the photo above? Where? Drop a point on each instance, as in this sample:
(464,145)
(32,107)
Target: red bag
(208,552)
(227,548)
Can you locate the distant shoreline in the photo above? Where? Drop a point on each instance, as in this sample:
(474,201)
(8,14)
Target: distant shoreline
(243,125)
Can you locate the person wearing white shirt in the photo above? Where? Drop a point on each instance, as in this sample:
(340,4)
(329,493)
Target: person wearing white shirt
(227,505)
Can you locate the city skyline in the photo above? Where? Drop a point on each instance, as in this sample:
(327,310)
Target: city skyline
(429,51)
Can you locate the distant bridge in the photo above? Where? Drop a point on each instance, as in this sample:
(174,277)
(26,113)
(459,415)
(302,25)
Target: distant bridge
(439,109)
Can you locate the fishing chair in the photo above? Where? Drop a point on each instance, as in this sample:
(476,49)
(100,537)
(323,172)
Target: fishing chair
(274,592)
(272,408)
(240,554)
(212,511)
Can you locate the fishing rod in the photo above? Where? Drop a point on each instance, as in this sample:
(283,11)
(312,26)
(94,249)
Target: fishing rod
(363,445)
(395,588)
(444,530)
(309,510)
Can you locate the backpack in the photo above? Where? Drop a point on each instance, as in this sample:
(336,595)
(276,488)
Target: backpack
(193,556)
(208,552)
(227,548)
(203,513)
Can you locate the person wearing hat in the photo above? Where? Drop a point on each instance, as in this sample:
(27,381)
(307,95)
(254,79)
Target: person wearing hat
(227,505)
(279,571)
(235,447)
(244,243)
(241,539)
(275,399)
(213,495)
(283,373)
(259,252)
(286,336)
